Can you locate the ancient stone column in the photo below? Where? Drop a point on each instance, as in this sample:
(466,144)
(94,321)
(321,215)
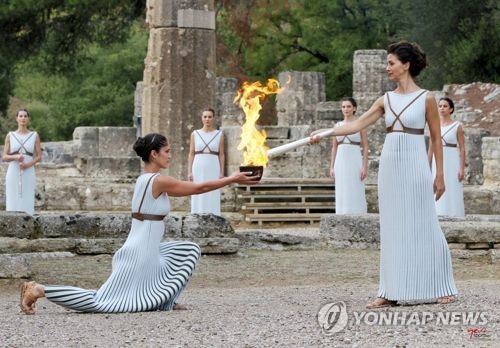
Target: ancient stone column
(296,104)
(179,73)
(370,82)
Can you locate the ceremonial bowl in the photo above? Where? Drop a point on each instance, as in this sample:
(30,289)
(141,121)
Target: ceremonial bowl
(256,170)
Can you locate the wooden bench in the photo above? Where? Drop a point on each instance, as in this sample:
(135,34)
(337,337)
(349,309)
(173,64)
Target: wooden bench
(275,200)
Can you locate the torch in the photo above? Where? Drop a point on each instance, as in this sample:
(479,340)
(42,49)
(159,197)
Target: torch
(295,144)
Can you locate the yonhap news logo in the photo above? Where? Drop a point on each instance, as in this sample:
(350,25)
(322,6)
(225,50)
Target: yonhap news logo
(333,317)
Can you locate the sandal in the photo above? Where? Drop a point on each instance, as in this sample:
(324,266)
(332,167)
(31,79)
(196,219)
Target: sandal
(28,300)
(446,299)
(380,302)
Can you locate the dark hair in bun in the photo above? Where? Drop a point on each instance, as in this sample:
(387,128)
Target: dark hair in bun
(409,52)
(144,145)
(450,103)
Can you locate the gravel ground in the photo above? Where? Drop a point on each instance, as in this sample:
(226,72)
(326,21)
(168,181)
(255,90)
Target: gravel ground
(255,299)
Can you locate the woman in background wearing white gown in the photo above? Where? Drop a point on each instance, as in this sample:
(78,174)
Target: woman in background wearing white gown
(23,150)
(347,169)
(451,202)
(415,261)
(206,162)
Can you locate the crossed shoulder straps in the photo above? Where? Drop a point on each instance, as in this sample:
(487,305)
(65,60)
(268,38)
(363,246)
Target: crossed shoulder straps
(398,115)
(22,143)
(210,151)
(445,143)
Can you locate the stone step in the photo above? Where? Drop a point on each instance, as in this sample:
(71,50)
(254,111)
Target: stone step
(363,230)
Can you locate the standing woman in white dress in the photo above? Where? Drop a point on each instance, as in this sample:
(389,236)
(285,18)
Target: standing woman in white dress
(415,261)
(451,202)
(147,274)
(347,169)
(206,162)
(23,150)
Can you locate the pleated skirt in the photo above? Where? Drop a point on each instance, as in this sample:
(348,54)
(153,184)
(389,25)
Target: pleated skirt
(451,202)
(20,188)
(146,275)
(415,262)
(206,167)
(349,189)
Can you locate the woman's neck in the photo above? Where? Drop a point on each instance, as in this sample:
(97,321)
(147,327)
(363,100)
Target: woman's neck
(208,128)
(349,118)
(407,85)
(151,168)
(445,120)
(22,129)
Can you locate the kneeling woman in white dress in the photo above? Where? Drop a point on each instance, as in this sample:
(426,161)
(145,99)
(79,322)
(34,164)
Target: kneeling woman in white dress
(206,162)
(347,169)
(23,150)
(451,202)
(147,274)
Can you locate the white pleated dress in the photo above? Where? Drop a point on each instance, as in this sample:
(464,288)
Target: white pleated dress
(146,274)
(451,202)
(349,188)
(415,262)
(206,166)
(20,185)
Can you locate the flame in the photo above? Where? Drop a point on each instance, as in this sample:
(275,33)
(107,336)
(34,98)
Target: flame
(253,140)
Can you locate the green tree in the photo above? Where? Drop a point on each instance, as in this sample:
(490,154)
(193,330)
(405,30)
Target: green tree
(261,38)
(100,92)
(57,30)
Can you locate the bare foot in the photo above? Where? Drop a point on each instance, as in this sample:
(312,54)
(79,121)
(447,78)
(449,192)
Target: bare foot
(380,302)
(446,299)
(28,297)
(179,307)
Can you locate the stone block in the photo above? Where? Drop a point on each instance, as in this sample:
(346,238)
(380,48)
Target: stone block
(277,132)
(494,256)
(218,245)
(97,246)
(87,225)
(296,104)
(329,111)
(350,228)
(57,152)
(469,254)
(161,13)
(190,18)
(490,151)
(18,225)
(14,266)
(466,231)
(86,141)
(205,226)
(110,166)
(116,142)
(478,200)
(370,79)
(457,246)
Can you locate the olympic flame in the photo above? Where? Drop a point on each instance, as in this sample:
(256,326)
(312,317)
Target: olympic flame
(252,140)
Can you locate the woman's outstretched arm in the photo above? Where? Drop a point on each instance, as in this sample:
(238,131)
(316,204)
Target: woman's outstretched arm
(368,118)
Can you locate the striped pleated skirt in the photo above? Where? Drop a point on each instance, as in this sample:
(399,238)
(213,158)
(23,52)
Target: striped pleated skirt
(146,275)
(415,262)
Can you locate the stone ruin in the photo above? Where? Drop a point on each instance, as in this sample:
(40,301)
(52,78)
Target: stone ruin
(97,169)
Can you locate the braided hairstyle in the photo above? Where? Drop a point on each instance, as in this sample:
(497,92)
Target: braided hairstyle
(144,145)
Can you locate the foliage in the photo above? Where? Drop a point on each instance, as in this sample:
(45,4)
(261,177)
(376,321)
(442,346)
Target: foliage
(99,93)
(57,30)
(260,38)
